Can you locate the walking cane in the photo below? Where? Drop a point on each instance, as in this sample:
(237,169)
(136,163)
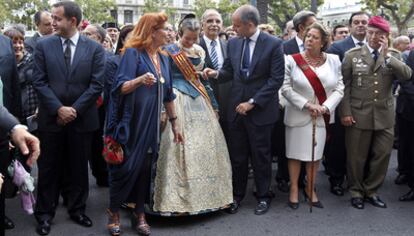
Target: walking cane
(311,179)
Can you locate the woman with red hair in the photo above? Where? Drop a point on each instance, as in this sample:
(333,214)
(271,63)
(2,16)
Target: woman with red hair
(142,84)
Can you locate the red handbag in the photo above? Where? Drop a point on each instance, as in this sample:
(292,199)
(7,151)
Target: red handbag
(112,151)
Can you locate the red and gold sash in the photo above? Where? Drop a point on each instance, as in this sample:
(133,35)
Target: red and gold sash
(187,69)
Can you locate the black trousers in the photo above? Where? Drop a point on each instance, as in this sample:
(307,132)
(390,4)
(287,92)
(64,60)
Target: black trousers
(97,162)
(64,158)
(279,149)
(335,153)
(406,147)
(249,140)
(4,163)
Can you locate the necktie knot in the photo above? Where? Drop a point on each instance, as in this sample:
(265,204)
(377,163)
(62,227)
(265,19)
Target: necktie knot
(376,54)
(360,43)
(213,43)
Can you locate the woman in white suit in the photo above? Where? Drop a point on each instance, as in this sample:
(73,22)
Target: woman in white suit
(313,88)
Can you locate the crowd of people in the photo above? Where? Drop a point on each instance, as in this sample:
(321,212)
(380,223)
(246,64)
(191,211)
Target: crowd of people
(174,121)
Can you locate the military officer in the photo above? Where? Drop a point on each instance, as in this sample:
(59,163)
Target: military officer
(367,111)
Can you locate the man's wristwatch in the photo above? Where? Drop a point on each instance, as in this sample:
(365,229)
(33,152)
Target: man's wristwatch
(251,101)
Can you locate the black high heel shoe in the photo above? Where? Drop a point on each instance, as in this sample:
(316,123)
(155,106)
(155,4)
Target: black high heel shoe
(317,204)
(293,205)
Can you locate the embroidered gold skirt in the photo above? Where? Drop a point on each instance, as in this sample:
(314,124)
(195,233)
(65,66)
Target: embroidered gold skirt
(194,177)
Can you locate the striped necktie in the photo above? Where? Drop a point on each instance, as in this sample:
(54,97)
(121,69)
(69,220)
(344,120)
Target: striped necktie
(68,53)
(213,54)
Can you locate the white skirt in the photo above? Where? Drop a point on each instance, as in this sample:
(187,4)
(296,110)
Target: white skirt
(299,142)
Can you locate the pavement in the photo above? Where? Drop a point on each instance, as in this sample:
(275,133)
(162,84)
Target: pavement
(337,218)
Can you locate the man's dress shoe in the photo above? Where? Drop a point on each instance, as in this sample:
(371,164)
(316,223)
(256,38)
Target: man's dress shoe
(261,208)
(357,202)
(234,207)
(376,201)
(337,190)
(408,197)
(401,179)
(8,224)
(43,228)
(82,219)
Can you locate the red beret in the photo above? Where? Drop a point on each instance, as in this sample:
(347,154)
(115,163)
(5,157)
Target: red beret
(380,23)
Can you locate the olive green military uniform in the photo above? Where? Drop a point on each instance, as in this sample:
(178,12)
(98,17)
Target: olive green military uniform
(368,99)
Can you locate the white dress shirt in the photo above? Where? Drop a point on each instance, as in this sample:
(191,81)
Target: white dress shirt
(356,41)
(301,46)
(219,53)
(73,42)
(252,43)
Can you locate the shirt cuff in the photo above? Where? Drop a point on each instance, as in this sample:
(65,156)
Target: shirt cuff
(17,127)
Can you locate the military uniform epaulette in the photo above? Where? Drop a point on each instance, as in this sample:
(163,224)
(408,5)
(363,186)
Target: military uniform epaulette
(395,53)
(393,50)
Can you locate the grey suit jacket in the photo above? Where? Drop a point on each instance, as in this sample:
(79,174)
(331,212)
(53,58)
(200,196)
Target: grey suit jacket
(7,121)
(30,42)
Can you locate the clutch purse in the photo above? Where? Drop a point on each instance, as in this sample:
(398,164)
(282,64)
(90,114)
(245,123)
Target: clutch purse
(112,151)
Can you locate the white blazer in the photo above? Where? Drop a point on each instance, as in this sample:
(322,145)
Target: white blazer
(298,91)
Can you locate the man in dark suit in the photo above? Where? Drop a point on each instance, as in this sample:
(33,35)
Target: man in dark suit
(358,26)
(405,119)
(27,143)
(335,153)
(10,98)
(96,161)
(68,77)
(216,53)
(255,64)
(301,21)
(43,22)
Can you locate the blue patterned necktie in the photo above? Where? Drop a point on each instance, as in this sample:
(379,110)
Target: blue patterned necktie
(213,54)
(246,58)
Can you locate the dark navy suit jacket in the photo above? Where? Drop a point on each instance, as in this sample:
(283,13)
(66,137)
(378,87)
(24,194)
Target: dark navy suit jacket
(266,74)
(341,47)
(79,87)
(221,90)
(405,100)
(290,47)
(9,76)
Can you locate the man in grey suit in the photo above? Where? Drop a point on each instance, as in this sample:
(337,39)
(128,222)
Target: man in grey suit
(43,22)
(216,53)
(68,77)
